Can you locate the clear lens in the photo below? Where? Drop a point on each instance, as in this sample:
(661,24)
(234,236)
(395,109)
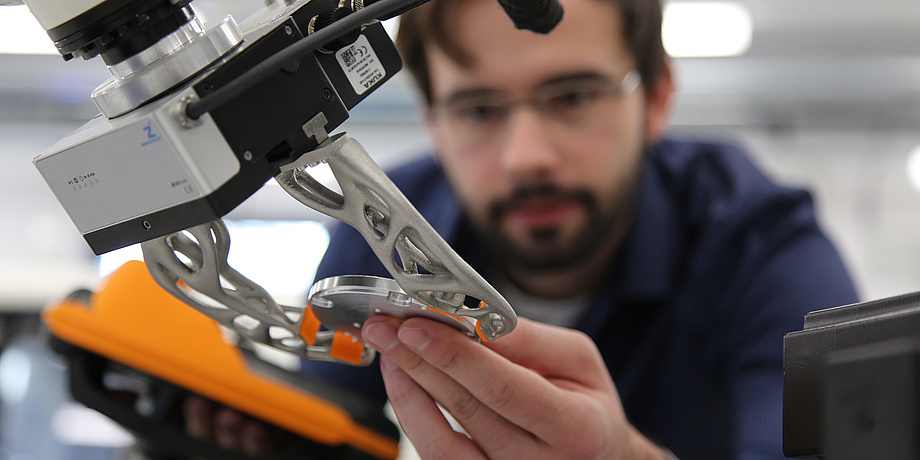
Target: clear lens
(577,106)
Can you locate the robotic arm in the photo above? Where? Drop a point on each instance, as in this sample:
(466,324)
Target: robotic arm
(145,169)
(197,117)
(194,120)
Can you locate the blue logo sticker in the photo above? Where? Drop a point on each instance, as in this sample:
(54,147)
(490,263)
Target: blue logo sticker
(152,136)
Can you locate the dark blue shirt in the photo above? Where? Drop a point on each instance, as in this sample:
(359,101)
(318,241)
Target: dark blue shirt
(719,264)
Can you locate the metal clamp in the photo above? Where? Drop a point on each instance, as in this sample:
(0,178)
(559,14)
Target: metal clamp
(192,265)
(344,303)
(426,268)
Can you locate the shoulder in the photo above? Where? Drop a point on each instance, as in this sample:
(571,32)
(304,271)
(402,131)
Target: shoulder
(758,242)
(708,173)
(719,192)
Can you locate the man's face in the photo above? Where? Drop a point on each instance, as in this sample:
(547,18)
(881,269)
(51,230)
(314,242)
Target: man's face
(545,183)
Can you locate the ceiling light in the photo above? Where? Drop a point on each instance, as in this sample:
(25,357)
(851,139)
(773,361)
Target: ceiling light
(706,29)
(20,33)
(391,26)
(913,168)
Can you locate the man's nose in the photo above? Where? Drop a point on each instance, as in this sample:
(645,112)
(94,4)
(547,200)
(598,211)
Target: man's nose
(528,149)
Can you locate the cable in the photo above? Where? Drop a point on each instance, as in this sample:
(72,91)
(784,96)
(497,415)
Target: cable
(540,16)
(382,9)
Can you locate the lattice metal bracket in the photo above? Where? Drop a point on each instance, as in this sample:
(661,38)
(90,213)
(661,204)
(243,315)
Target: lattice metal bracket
(423,264)
(192,265)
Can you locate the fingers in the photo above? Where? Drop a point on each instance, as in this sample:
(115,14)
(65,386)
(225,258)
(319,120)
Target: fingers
(555,352)
(479,380)
(414,385)
(199,413)
(421,419)
(258,439)
(516,393)
(228,428)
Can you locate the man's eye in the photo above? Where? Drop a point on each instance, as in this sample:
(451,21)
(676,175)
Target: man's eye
(572,99)
(479,114)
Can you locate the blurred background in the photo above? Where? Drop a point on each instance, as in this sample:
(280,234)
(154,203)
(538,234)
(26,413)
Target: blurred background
(825,94)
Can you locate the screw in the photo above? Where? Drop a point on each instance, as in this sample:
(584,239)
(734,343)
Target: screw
(320,302)
(147,225)
(288,30)
(497,323)
(399,299)
(327,94)
(179,112)
(247,155)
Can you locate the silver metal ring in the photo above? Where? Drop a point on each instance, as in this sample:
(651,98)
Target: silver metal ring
(170,61)
(344,303)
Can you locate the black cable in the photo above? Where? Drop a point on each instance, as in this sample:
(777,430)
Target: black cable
(540,16)
(382,9)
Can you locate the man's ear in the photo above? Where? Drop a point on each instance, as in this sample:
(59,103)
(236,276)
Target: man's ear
(658,109)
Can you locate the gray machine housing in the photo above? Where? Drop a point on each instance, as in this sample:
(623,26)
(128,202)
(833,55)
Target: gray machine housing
(141,175)
(851,382)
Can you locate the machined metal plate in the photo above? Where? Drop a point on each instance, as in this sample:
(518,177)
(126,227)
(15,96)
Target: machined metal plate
(344,303)
(170,61)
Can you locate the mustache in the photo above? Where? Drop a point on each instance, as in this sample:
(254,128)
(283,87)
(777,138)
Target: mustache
(522,194)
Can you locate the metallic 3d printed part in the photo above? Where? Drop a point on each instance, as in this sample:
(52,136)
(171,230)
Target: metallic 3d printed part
(192,265)
(344,303)
(426,268)
(203,279)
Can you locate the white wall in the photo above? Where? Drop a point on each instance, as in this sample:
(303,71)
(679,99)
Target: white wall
(42,256)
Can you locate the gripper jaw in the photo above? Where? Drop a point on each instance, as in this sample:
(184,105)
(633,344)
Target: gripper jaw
(401,238)
(192,265)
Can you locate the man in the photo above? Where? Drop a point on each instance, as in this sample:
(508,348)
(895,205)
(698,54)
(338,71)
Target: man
(668,271)
(680,261)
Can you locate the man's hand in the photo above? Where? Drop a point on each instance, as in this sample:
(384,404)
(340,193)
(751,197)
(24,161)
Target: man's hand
(229,428)
(539,392)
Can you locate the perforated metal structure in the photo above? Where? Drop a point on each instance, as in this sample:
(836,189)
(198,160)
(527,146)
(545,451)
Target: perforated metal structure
(192,265)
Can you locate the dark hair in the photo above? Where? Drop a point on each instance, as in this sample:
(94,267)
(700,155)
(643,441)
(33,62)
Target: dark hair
(641,21)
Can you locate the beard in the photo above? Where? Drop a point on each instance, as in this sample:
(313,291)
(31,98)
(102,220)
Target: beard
(547,249)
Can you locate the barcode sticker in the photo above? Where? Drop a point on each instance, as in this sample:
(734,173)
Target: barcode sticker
(361,65)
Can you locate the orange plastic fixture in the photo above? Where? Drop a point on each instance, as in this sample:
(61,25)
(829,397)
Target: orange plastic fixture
(131,320)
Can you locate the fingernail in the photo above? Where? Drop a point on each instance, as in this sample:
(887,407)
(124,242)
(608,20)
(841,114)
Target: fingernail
(414,337)
(381,336)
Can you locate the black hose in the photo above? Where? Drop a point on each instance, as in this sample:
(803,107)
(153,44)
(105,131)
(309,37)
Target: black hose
(537,15)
